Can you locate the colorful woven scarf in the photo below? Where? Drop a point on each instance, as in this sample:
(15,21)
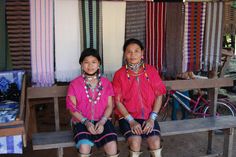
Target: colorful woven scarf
(42,58)
(135,21)
(155,28)
(91,25)
(230,18)
(213,36)
(193,35)
(174,39)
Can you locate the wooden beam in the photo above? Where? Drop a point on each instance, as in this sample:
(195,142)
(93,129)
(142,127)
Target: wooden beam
(46,92)
(198,83)
(13,123)
(22,98)
(60,91)
(206,0)
(12,131)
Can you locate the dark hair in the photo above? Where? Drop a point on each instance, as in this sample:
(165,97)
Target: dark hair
(89,52)
(132,41)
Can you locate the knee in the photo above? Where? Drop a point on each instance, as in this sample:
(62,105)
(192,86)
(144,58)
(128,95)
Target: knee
(112,145)
(135,144)
(111,148)
(154,142)
(84,149)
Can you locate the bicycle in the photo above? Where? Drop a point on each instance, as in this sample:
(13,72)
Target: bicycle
(198,108)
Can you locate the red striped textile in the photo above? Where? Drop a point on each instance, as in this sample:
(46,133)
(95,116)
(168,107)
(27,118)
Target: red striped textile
(155,28)
(193,35)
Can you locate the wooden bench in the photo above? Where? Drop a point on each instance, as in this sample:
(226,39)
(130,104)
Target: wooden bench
(60,139)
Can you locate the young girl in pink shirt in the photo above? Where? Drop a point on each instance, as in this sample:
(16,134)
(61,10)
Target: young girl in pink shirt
(89,100)
(138,94)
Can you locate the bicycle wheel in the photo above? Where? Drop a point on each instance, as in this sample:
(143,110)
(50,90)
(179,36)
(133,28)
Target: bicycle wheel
(163,113)
(228,102)
(223,109)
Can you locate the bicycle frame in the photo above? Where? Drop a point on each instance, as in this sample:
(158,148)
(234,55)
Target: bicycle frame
(199,106)
(196,109)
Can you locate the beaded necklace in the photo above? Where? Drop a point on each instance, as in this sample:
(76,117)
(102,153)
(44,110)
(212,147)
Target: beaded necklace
(98,89)
(127,67)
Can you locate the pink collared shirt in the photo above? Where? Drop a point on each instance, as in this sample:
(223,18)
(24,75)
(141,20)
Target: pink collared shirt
(138,94)
(83,106)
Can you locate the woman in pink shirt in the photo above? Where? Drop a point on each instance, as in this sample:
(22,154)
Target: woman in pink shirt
(138,94)
(89,100)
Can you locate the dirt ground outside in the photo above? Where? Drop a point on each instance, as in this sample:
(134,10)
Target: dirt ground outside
(187,145)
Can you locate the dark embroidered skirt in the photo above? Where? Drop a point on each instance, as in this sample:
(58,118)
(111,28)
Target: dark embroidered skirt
(126,130)
(108,135)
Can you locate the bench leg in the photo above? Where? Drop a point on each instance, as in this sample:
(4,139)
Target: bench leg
(210,139)
(228,142)
(24,140)
(60,152)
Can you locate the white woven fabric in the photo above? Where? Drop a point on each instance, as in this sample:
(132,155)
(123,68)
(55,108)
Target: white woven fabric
(67,40)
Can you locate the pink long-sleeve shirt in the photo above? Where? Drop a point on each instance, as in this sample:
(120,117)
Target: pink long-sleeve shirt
(83,106)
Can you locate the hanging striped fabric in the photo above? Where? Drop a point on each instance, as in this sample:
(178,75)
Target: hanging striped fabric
(67,40)
(135,21)
(230,18)
(42,40)
(174,39)
(91,24)
(213,36)
(193,35)
(18,29)
(155,28)
(11,145)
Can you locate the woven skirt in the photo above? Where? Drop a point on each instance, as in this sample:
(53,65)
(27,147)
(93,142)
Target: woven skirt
(81,133)
(126,130)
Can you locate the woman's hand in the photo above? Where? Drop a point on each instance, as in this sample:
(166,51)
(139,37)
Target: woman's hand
(136,128)
(148,126)
(90,127)
(99,127)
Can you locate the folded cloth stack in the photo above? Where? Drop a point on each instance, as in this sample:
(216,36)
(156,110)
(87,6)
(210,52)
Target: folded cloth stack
(10,89)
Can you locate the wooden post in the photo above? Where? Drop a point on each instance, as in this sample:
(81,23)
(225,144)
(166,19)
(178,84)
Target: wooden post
(57,123)
(228,142)
(56,113)
(212,97)
(27,116)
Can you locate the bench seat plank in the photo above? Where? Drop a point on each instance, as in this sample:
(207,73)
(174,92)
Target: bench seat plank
(50,140)
(60,139)
(197,125)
